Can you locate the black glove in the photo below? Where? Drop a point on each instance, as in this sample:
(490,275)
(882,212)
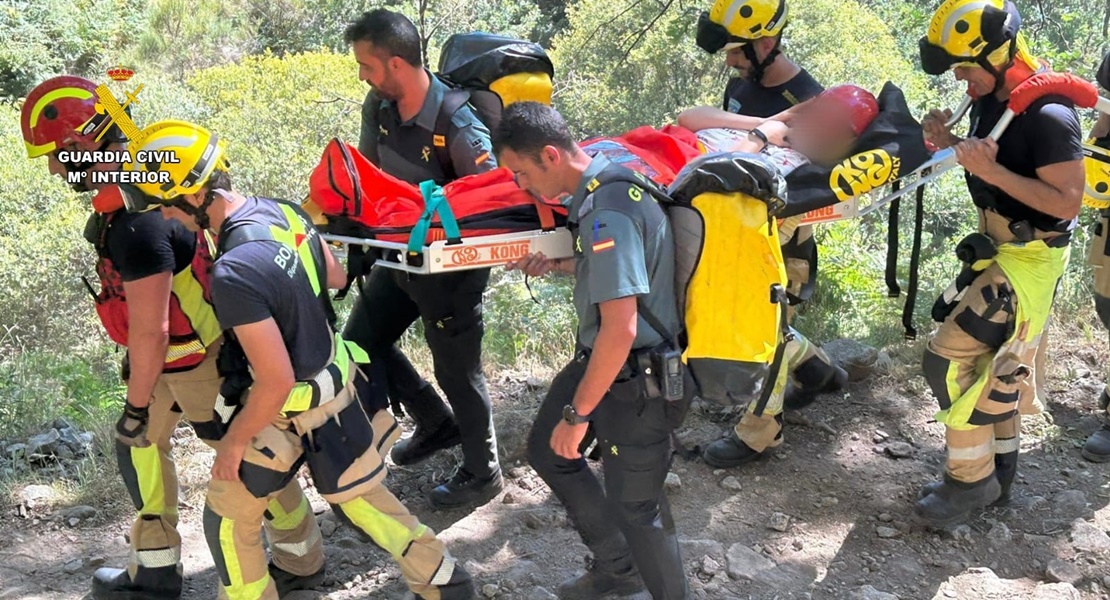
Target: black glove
(131,426)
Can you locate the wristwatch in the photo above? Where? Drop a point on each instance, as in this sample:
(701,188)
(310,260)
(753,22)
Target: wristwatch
(572,417)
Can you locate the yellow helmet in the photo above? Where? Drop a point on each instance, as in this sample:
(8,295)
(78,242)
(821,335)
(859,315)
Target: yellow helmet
(1096,194)
(187,153)
(749,20)
(969,31)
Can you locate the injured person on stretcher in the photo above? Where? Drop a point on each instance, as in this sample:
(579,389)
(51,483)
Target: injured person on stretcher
(822,131)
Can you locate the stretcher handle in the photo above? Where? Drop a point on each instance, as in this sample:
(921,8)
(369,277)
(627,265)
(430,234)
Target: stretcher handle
(958,114)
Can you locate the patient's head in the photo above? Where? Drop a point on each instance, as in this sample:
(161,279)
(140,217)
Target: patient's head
(827,128)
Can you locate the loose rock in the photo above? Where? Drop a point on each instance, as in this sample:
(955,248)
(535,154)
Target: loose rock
(869,593)
(731,484)
(328,527)
(35,495)
(490,590)
(710,566)
(43,443)
(779,522)
(855,358)
(744,563)
(79,512)
(540,593)
(1000,534)
(673,482)
(899,450)
(1062,572)
(1088,538)
(886,533)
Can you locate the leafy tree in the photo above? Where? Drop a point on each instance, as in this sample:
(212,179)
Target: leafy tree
(278,113)
(43,38)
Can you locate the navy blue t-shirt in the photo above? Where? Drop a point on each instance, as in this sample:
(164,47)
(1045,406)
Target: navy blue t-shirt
(259,280)
(746,97)
(144,244)
(1047,133)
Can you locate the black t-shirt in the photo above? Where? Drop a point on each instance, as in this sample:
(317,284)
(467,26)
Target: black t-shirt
(1047,133)
(258,280)
(745,97)
(144,244)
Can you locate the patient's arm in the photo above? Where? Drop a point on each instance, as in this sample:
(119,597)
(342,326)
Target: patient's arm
(708,117)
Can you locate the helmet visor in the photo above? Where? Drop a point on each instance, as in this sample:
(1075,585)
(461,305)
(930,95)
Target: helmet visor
(934,59)
(712,37)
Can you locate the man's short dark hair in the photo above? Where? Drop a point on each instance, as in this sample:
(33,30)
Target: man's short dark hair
(527,127)
(389,32)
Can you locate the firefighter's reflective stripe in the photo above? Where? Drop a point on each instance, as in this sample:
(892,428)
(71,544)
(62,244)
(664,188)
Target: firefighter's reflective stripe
(239,589)
(286,520)
(386,531)
(161,557)
(444,572)
(300,548)
(331,380)
(179,351)
(147,463)
(294,237)
(1002,446)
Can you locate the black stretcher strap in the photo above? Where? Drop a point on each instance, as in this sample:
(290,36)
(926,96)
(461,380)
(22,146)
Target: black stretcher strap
(915,260)
(893,290)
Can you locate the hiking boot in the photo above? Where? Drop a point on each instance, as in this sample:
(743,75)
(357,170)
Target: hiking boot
(729,452)
(1097,448)
(459,587)
(952,501)
(286,582)
(1004,483)
(426,441)
(464,489)
(163,583)
(599,581)
(799,396)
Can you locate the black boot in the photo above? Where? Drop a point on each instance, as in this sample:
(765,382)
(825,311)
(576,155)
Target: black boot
(464,489)
(1005,469)
(953,501)
(602,577)
(435,429)
(729,452)
(286,582)
(1097,448)
(162,583)
(459,587)
(814,378)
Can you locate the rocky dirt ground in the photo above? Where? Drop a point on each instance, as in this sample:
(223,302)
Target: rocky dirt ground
(827,516)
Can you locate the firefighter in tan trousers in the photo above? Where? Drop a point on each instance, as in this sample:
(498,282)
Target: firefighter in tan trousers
(293,391)
(1027,188)
(153,300)
(1097,195)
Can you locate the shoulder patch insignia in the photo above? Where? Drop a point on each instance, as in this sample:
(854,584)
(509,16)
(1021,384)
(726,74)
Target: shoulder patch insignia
(635,194)
(439,141)
(592,185)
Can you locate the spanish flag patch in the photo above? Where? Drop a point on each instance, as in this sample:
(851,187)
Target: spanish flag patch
(602,245)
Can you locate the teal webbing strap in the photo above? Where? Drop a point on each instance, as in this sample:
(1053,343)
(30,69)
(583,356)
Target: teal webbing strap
(434,202)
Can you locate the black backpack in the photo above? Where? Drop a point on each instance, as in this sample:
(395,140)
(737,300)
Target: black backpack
(468,64)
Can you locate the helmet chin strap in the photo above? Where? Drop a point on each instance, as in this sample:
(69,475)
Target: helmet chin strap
(999,73)
(199,213)
(759,67)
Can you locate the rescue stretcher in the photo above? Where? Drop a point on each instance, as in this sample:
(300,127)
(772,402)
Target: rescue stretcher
(450,251)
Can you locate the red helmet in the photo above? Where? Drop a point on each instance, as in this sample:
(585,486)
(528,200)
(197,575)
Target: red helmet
(859,104)
(58,112)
